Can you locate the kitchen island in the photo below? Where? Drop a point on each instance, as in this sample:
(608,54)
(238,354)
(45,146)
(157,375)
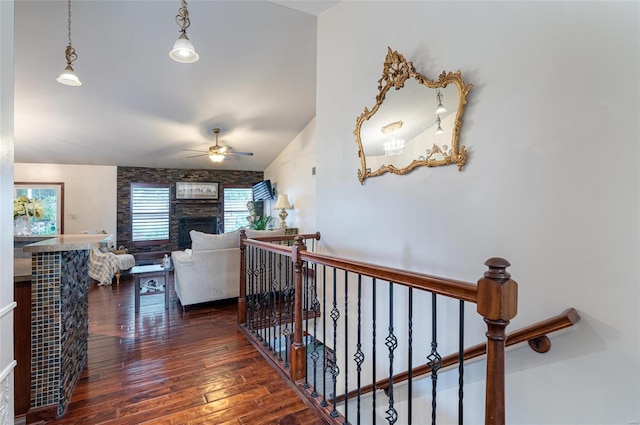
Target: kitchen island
(59,320)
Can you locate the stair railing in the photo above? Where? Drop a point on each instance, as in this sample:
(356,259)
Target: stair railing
(297,308)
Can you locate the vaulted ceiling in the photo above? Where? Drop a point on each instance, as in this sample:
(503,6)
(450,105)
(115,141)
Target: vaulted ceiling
(255,80)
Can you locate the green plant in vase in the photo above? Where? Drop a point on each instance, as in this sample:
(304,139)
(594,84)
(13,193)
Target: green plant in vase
(261,223)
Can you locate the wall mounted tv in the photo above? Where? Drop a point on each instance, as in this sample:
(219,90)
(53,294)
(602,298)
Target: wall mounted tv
(262,191)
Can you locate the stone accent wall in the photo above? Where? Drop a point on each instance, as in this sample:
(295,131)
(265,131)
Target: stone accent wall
(179,208)
(59,325)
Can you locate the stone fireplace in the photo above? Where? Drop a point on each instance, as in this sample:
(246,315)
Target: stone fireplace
(201,224)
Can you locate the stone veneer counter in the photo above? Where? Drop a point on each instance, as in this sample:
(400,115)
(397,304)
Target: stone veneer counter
(59,319)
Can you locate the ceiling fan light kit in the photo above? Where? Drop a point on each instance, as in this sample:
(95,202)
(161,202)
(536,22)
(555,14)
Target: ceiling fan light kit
(217,153)
(183,50)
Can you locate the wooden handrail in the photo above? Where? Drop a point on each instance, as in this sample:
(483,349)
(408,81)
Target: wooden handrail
(538,330)
(265,242)
(448,287)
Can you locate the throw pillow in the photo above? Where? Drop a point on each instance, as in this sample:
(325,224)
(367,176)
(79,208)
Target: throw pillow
(264,233)
(206,241)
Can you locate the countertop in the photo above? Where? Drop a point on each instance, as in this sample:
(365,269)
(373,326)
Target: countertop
(72,242)
(21,270)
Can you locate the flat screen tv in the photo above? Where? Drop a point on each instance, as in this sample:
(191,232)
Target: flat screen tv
(262,191)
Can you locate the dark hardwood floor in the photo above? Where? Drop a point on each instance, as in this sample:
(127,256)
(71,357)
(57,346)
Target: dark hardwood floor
(170,367)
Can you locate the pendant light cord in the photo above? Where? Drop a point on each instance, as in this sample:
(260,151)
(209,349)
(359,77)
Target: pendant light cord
(182,18)
(69,21)
(70,52)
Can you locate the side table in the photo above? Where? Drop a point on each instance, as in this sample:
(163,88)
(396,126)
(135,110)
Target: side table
(148,271)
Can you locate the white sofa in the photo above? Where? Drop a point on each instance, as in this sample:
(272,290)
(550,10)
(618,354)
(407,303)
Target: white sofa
(210,270)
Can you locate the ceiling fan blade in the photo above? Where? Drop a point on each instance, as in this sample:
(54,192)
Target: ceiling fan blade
(196,156)
(239,153)
(194,150)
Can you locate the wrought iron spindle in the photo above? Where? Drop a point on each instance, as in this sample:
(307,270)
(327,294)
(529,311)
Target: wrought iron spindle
(250,282)
(273,316)
(264,296)
(324,402)
(316,308)
(305,312)
(392,343)
(346,344)
(373,351)
(410,360)
(335,315)
(435,360)
(359,355)
(280,308)
(461,364)
(268,296)
(288,312)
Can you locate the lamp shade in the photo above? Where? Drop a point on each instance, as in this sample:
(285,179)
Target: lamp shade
(183,51)
(69,77)
(282,202)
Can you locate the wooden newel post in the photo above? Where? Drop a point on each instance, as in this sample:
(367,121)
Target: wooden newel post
(298,349)
(242,302)
(498,304)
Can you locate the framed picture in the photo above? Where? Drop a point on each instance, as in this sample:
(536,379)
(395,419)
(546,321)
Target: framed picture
(197,190)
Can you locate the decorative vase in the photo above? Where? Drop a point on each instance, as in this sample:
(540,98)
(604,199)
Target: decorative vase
(21,226)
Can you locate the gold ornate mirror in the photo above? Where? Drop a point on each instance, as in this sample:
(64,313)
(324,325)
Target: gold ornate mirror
(417,126)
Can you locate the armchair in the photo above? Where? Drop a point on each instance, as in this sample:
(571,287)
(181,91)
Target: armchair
(210,270)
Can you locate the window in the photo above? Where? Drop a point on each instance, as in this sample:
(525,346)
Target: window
(235,207)
(150,205)
(51,196)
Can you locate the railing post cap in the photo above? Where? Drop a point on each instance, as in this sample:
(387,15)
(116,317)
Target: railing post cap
(497,269)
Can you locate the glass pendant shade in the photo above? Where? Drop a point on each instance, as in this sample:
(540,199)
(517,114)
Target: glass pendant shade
(441,109)
(183,51)
(69,77)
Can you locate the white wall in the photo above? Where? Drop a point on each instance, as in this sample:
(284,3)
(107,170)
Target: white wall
(89,193)
(7,304)
(551,183)
(291,171)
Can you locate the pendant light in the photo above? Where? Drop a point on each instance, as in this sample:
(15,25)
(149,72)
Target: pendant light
(68,76)
(440,109)
(439,130)
(183,50)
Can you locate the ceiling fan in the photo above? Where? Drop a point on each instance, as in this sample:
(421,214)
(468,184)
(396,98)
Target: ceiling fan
(216,152)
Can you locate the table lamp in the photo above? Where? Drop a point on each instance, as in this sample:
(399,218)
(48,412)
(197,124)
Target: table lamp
(282,204)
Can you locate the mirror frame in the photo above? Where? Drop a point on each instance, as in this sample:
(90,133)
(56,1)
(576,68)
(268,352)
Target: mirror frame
(396,71)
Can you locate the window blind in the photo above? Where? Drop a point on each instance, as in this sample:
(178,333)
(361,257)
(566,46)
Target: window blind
(235,207)
(149,212)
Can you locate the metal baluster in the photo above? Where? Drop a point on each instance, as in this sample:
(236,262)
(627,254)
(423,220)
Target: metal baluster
(273,289)
(316,308)
(288,311)
(335,315)
(373,351)
(250,301)
(359,356)
(305,312)
(434,358)
(263,298)
(346,345)
(392,343)
(280,307)
(410,361)
(267,297)
(324,402)
(461,364)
